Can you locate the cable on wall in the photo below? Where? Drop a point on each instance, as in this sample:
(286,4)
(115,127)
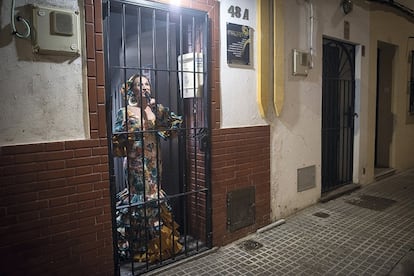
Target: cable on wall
(20,19)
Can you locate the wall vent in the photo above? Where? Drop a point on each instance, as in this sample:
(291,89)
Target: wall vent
(306,178)
(241,208)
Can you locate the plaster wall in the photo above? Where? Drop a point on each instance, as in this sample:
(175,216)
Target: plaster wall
(44,98)
(296,134)
(238,84)
(388,27)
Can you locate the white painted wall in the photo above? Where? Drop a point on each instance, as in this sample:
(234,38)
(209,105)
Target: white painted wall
(238,85)
(296,134)
(44,98)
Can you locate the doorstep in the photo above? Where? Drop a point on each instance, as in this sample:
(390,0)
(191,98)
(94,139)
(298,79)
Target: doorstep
(346,189)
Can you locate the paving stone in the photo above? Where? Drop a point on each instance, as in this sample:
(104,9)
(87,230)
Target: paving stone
(352,240)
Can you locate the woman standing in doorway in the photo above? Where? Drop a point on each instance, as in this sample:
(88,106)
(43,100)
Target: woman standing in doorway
(146,228)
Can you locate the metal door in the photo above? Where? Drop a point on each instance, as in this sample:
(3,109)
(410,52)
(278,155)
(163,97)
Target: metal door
(338,104)
(159,152)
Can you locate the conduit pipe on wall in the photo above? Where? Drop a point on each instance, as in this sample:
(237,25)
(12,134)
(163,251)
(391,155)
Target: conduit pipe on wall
(20,19)
(310,34)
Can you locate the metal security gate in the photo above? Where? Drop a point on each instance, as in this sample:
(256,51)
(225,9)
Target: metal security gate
(157,99)
(338,105)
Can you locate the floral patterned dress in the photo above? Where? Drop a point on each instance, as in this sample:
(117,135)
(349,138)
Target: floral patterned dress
(140,148)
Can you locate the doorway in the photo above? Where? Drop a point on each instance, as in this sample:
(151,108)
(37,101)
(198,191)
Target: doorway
(157,100)
(338,113)
(384,116)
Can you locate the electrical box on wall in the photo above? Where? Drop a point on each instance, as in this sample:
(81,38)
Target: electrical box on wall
(57,31)
(300,63)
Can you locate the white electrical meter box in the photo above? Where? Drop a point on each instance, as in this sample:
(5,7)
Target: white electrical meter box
(191,78)
(57,31)
(300,63)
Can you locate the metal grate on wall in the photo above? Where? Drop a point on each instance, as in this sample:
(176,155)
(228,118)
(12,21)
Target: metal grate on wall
(157,97)
(306,178)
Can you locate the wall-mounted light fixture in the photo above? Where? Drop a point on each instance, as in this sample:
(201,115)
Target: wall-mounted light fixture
(347,6)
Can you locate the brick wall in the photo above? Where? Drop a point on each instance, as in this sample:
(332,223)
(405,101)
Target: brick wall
(55,209)
(240,158)
(54,197)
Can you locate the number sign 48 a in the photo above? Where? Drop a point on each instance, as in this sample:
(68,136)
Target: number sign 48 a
(236,11)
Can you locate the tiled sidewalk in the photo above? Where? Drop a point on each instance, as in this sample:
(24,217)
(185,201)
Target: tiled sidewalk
(365,233)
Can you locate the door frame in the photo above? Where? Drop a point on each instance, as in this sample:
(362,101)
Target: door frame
(198,137)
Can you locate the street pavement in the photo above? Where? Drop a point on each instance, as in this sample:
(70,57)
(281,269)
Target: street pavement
(367,232)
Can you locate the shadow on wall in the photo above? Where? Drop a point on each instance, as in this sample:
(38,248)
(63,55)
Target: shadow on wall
(23,46)
(387,7)
(5,33)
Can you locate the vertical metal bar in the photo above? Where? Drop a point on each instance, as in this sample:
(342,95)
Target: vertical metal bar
(338,132)
(324,115)
(351,127)
(348,136)
(183,156)
(182,140)
(332,133)
(158,154)
(323,153)
(346,128)
(142,137)
(154,54)
(332,139)
(353,112)
(330,130)
(167,32)
(195,122)
(346,131)
(123,47)
(341,129)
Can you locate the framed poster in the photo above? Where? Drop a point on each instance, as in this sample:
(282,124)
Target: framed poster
(238,44)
